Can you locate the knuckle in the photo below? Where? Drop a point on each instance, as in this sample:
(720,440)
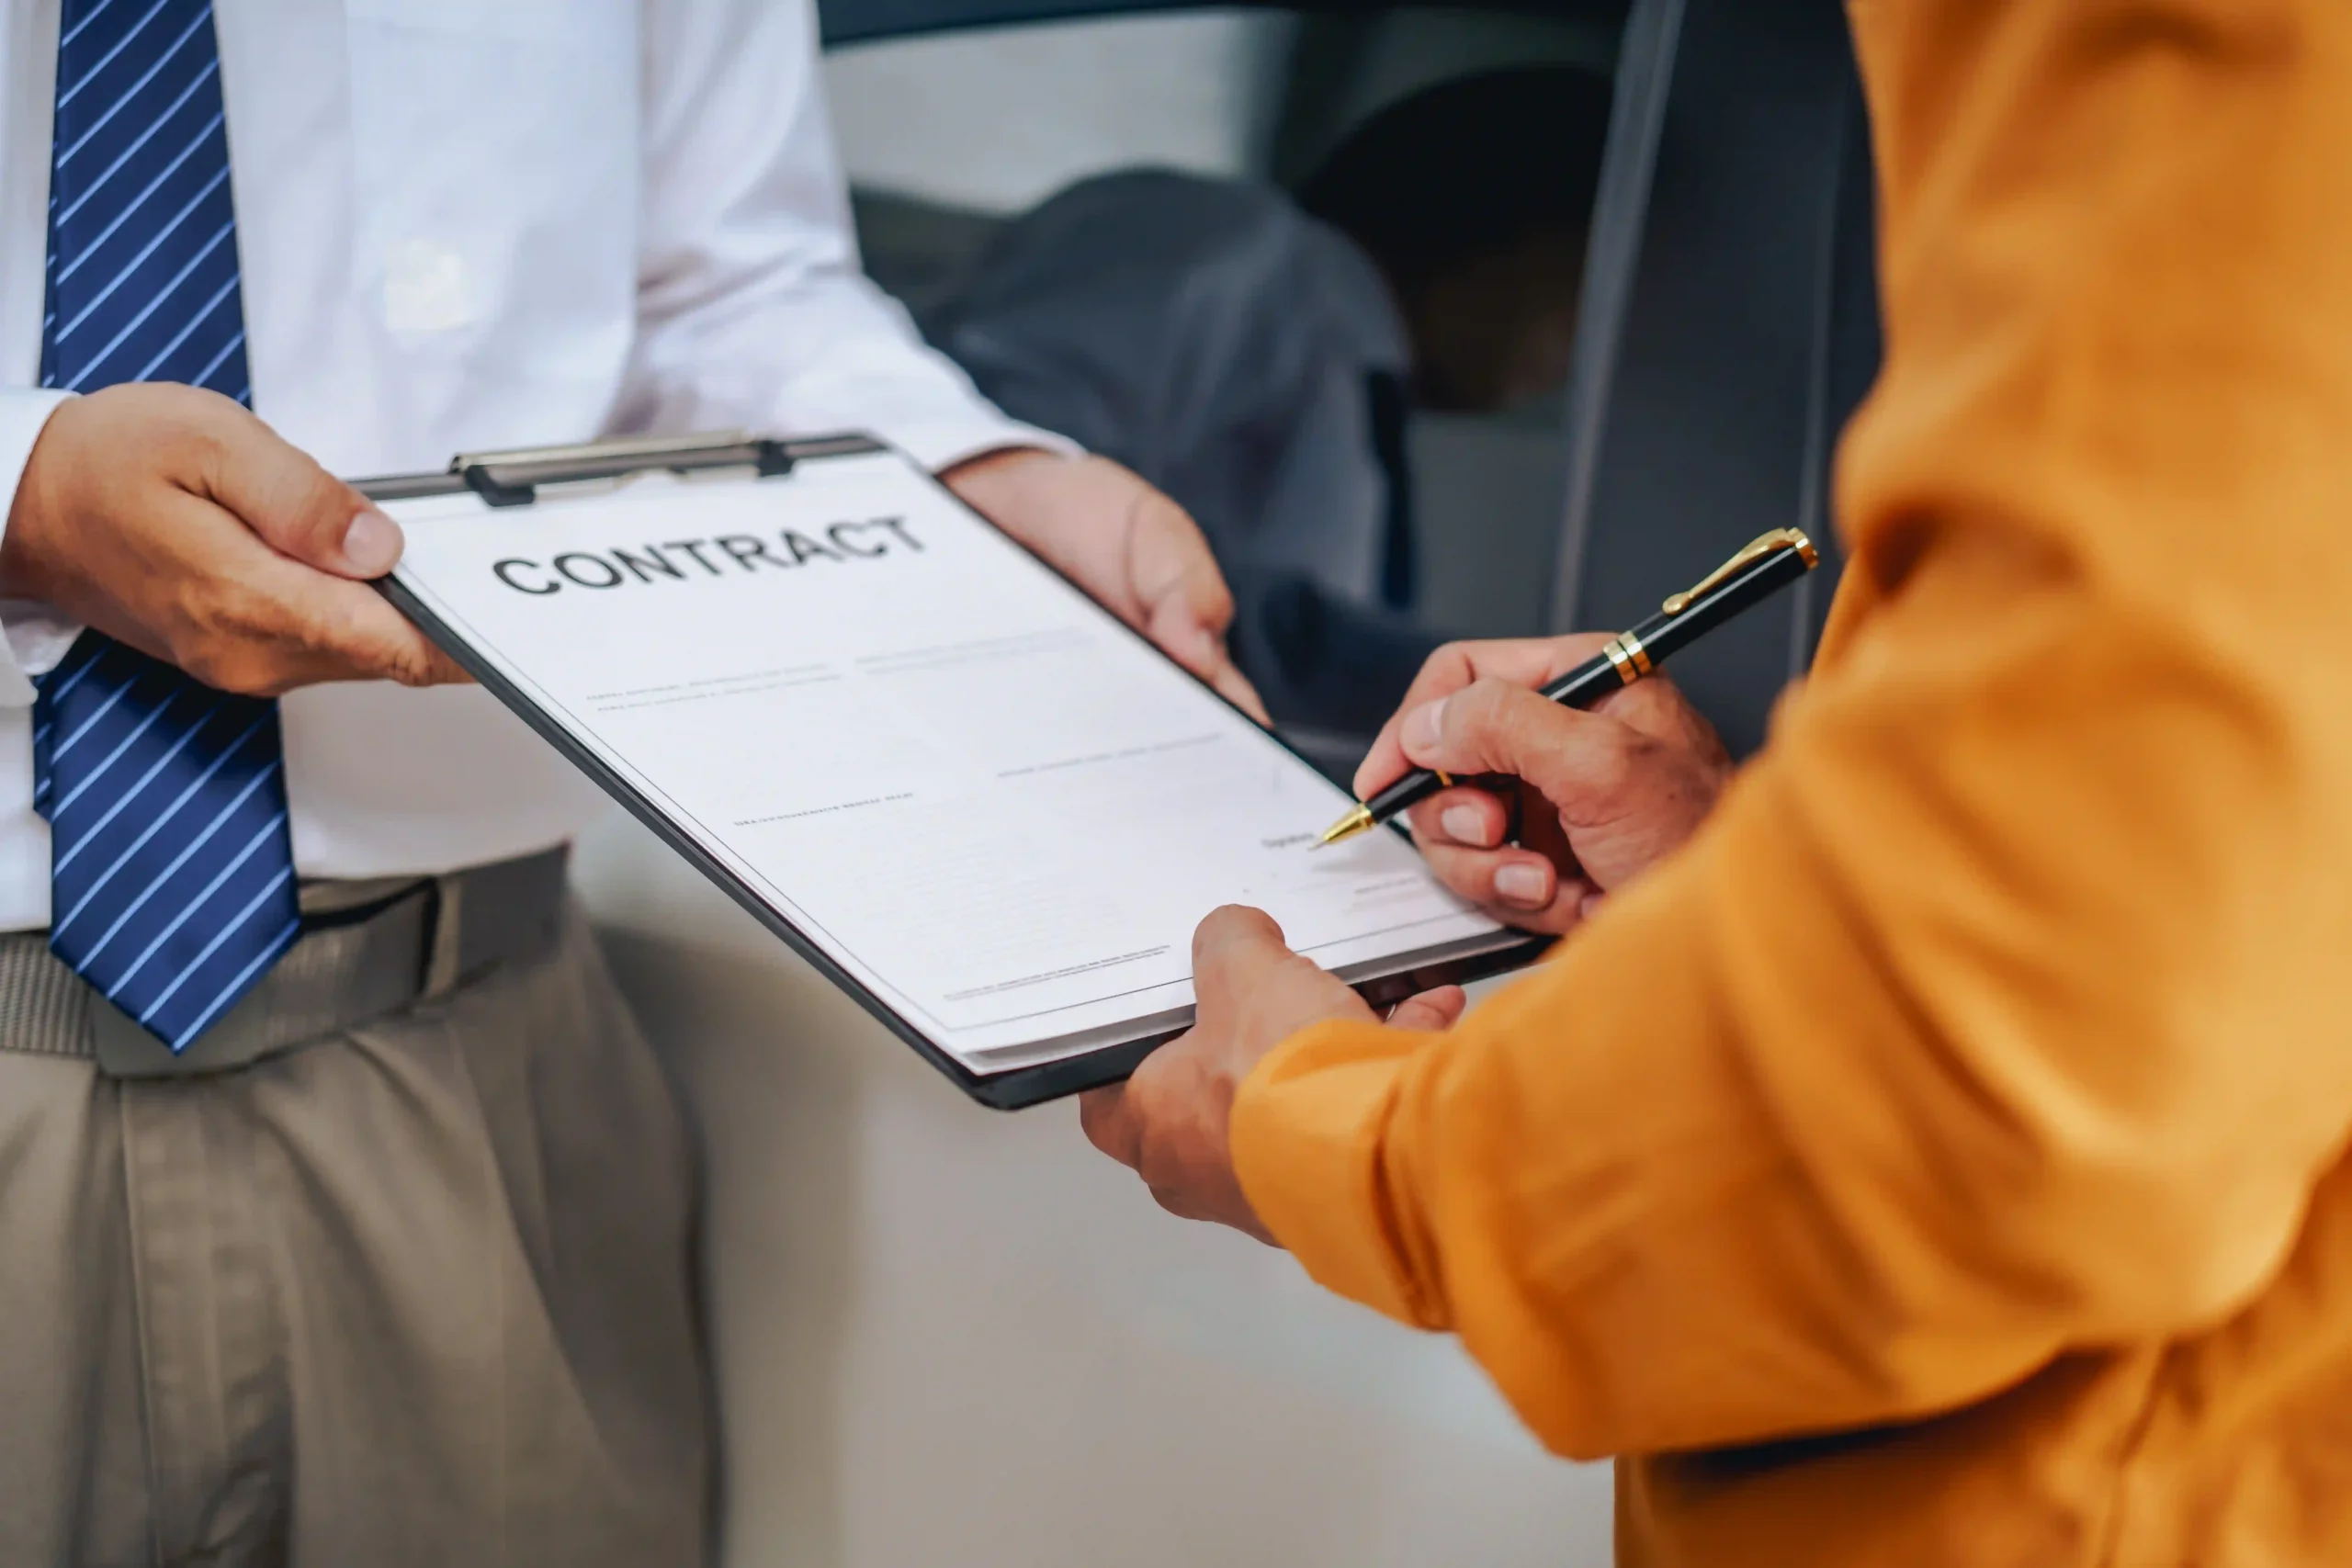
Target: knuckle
(1621,759)
(1146,1155)
(408,665)
(1466,879)
(241,669)
(278,490)
(1655,700)
(1479,710)
(1450,665)
(228,614)
(312,506)
(200,659)
(202,608)
(1217,605)
(1097,1113)
(202,425)
(1458,868)
(1663,690)
(234,639)
(1479,890)
(171,426)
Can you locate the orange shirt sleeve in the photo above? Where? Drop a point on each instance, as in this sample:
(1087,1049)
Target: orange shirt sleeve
(2003,1005)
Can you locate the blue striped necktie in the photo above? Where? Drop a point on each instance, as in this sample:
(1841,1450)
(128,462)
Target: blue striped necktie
(172,873)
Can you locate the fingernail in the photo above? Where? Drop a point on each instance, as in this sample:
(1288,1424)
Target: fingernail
(1422,727)
(1463,824)
(1523,885)
(372,543)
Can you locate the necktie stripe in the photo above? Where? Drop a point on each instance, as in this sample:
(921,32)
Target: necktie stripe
(172,869)
(204,377)
(163,918)
(130,93)
(194,907)
(96,377)
(124,274)
(84,840)
(78,28)
(274,949)
(155,884)
(122,800)
(79,661)
(90,721)
(236,924)
(98,773)
(133,749)
(110,714)
(89,73)
(203,314)
(130,208)
(156,301)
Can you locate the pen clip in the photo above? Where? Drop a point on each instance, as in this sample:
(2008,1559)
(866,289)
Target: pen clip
(1755,549)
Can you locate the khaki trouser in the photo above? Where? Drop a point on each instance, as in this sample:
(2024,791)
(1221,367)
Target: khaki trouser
(415,1292)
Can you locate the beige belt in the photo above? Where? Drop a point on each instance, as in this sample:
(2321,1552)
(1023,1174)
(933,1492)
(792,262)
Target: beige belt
(354,961)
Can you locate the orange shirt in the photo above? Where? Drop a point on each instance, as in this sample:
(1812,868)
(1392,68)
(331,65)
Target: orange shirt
(1942,1158)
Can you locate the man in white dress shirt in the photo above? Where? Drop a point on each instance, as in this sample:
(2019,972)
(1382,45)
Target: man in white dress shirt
(348,1221)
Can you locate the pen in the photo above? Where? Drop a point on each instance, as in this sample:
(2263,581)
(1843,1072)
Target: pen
(1762,568)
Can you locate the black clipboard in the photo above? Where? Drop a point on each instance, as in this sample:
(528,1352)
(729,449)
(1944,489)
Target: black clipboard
(513,479)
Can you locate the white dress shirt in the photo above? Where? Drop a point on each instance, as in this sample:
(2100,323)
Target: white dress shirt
(472,224)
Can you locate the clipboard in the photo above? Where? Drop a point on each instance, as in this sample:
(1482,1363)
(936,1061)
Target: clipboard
(532,476)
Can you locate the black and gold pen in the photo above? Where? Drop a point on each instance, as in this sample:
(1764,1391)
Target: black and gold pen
(1760,569)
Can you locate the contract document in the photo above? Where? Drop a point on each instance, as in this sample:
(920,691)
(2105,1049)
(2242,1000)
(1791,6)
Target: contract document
(977,800)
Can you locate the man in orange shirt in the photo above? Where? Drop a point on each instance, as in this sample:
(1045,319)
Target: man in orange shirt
(1933,1150)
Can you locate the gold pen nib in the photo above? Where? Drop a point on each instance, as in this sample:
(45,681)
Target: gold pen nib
(1356,821)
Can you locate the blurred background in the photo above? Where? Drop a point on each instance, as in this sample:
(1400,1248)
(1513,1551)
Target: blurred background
(1226,247)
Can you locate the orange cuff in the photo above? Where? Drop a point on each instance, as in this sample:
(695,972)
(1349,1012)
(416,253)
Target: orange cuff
(1308,1125)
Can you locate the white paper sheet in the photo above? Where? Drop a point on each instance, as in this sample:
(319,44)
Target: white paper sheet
(997,809)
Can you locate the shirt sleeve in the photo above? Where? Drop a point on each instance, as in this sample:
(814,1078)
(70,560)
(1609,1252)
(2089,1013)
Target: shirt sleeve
(2000,1009)
(751,307)
(36,638)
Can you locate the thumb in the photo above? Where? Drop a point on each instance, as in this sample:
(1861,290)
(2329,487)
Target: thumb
(1243,969)
(1581,761)
(1235,948)
(1431,1011)
(297,507)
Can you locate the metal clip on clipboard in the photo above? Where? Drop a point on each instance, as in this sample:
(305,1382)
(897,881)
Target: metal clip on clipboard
(513,477)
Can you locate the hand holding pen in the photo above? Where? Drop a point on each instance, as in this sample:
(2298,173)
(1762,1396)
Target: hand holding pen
(1599,794)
